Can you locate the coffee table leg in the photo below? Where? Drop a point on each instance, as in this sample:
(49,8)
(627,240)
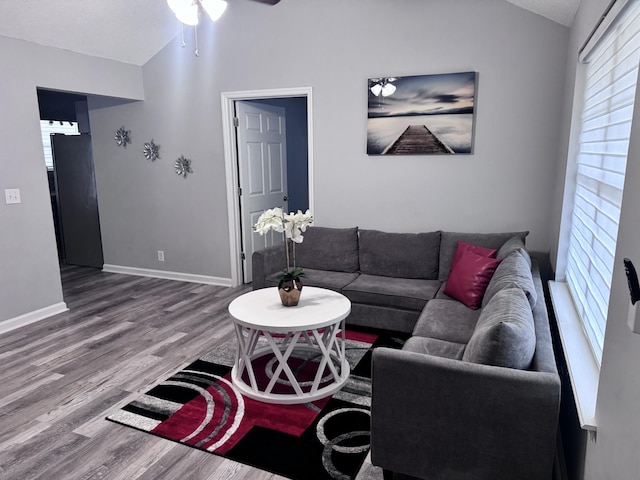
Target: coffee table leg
(245,349)
(282,361)
(325,343)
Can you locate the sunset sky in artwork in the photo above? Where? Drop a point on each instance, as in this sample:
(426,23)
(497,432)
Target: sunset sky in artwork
(425,94)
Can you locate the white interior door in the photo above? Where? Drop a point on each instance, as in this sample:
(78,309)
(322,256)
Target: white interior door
(262,167)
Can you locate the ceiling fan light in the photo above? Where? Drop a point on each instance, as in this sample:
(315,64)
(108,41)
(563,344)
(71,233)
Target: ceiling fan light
(214,8)
(376,89)
(189,15)
(174,5)
(185,10)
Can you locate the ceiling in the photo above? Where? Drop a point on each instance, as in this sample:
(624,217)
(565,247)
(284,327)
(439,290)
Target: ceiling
(134,31)
(131,31)
(560,11)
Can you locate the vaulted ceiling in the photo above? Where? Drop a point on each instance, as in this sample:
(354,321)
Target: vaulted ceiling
(560,11)
(134,31)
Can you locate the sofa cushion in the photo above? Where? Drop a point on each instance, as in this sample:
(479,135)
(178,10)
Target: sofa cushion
(505,334)
(469,278)
(447,320)
(334,249)
(433,346)
(513,271)
(441,295)
(383,318)
(405,293)
(449,243)
(465,247)
(400,255)
(510,246)
(319,278)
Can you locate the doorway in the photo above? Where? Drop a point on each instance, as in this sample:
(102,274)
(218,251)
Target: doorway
(69,163)
(296,192)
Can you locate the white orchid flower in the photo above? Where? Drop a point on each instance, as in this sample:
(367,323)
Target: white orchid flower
(303,220)
(290,228)
(296,223)
(271,219)
(295,234)
(291,225)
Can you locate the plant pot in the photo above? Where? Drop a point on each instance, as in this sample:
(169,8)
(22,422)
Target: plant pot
(289,291)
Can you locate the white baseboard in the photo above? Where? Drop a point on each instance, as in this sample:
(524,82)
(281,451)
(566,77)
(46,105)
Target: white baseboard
(181,277)
(32,317)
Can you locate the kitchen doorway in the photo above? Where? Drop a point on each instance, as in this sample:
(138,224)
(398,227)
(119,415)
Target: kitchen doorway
(70,169)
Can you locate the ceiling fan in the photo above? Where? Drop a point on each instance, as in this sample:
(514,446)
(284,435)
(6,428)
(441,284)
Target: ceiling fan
(188,12)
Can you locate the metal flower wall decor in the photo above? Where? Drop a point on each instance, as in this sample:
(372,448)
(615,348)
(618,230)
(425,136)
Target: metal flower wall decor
(183,166)
(122,137)
(151,151)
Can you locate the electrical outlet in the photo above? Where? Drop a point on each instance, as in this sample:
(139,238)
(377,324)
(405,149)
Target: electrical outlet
(12,195)
(161,255)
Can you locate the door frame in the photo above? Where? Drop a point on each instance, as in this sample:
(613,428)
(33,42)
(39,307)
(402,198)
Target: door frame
(228,100)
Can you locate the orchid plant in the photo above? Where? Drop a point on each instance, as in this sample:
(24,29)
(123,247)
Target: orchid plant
(291,225)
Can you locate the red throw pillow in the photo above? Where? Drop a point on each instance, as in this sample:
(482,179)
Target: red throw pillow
(469,278)
(464,247)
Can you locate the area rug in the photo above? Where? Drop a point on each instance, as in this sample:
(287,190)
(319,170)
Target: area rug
(199,406)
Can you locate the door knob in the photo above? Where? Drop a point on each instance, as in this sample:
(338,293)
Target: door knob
(285,198)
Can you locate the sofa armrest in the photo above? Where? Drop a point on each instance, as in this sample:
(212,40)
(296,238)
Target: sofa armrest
(435,417)
(266,262)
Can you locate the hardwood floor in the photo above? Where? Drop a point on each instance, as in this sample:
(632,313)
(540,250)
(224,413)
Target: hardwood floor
(62,376)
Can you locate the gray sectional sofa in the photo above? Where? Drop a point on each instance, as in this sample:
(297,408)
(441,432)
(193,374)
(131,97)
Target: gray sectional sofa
(474,393)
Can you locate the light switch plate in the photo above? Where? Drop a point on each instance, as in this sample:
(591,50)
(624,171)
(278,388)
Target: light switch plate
(12,195)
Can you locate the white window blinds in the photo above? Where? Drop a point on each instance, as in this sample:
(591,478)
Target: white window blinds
(47,128)
(611,76)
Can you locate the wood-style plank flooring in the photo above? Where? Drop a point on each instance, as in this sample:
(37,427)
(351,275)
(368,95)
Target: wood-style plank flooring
(60,378)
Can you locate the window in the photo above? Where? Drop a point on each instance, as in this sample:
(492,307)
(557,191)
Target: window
(610,85)
(48,127)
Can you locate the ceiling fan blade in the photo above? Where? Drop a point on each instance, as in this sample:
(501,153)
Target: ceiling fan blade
(270,2)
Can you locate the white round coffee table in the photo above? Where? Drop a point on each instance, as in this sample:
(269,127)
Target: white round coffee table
(290,354)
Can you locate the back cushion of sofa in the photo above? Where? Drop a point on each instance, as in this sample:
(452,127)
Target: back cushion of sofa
(400,255)
(505,333)
(510,246)
(515,270)
(324,248)
(449,243)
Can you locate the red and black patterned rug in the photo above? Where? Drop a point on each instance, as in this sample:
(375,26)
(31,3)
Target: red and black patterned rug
(200,407)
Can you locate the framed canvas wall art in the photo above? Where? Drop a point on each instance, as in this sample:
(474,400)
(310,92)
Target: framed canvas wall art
(421,114)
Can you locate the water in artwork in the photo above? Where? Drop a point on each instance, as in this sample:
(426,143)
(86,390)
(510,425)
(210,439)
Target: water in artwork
(455,130)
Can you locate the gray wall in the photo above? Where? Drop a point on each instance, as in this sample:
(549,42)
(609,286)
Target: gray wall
(145,206)
(29,273)
(334,46)
(613,452)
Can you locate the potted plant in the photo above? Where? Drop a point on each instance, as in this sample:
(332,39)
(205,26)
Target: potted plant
(291,225)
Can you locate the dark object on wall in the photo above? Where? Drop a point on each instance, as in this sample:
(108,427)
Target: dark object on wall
(77,200)
(632,280)
(633,319)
